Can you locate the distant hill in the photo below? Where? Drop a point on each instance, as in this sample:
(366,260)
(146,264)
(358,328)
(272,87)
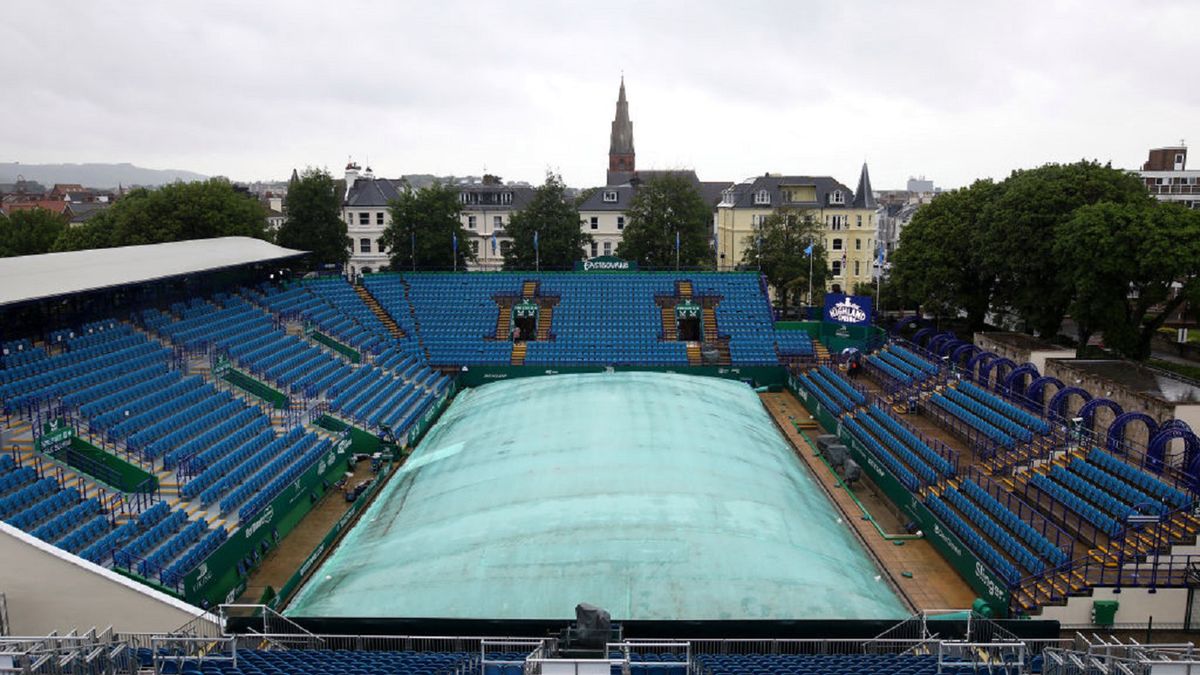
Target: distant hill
(93,175)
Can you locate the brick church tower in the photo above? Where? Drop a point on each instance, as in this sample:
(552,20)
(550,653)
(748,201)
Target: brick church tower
(620,146)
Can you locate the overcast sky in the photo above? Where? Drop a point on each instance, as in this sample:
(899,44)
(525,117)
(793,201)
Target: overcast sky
(951,90)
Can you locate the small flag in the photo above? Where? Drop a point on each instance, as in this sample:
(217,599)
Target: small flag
(808,251)
(676,241)
(493,243)
(535,240)
(454,238)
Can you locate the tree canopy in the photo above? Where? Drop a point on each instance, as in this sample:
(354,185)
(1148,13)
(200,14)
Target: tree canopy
(556,221)
(1083,237)
(30,232)
(314,220)
(778,248)
(660,208)
(175,212)
(424,225)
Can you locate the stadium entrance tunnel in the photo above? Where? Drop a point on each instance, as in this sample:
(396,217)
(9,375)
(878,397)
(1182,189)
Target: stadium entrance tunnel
(689,329)
(527,325)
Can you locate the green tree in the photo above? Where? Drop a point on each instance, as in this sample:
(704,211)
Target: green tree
(1129,267)
(556,220)
(29,232)
(175,212)
(1020,227)
(939,260)
(314,220)
(424,224)
(661,208)
(778,248)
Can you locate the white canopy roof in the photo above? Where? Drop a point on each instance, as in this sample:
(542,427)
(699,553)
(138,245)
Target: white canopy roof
(33,277)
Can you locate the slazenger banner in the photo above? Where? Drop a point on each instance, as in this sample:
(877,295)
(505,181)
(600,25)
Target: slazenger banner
(848,310)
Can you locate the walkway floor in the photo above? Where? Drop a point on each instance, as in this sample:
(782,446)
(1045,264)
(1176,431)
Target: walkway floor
(286,558)
(933,583)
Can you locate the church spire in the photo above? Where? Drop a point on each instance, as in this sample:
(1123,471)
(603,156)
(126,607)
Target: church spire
(620,146)
(864,198)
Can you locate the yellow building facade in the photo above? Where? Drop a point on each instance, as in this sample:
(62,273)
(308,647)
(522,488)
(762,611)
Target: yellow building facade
(848,217)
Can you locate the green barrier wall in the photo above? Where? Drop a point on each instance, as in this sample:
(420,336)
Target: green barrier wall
(107,467)
(836,337)
(248,384)
(346,350)
(217,579)
(978,575)
(363,442)
(761,376)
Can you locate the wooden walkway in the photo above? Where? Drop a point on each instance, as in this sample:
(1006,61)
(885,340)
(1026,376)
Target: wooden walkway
(922,575)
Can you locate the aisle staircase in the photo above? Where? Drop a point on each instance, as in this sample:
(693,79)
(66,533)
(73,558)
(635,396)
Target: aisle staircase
(529,289)
(710,324)
(503,322)
(820,351)
(518,353)
(545,317)
(388,322)
(683,289)
(693,354)
(670,329)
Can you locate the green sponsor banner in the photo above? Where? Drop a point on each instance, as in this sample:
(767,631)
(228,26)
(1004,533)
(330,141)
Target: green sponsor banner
(979,576)
(362,442)
(687,310)
(217,579)
(56,436)
(760,376)
(417,431)
(106,467)
(605,263)
(222,366)
(349,352)
(525,309)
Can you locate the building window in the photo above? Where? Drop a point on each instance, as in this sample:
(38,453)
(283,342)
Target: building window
(856,268)
(475,246)
(462,197)
(595,251)
(364,245)
(379,217)
(595,226)
(610,196)
(364,218)
(837,244)
(505,197)
(470,222)
(608,248)
(620,222)
(838,222)
(762,197)
(836,197)
(835,268)
(349,218)
(504,246)
(859,221)
(857,244)
(497,222)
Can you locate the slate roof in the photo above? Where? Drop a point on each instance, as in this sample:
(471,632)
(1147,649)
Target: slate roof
(743,193)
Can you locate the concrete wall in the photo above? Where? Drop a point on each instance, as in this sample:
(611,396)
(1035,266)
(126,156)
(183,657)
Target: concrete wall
(1137,605)
(1020,355)
(1039,357)
(1129,400)
(48,589)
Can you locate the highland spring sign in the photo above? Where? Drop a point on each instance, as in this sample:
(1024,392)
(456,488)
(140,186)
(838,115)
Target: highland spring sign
(847,310)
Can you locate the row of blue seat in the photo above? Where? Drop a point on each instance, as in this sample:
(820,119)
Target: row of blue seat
(994,531)
(889,371)
(1131,496)
(972,420)
(1001,566)
(988,414)
(1023,529)
(1147,482)
(893,446)
(1074,502)
(834,378)
(914,359)
(915,373)
(940,464)
(1023,417)
(902,474)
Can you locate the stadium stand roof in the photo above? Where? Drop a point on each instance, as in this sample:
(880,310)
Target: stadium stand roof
(35,277)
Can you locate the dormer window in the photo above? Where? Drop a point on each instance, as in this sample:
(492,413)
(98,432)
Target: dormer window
(505,197)
(837,197)
(762,197)
(610,196)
